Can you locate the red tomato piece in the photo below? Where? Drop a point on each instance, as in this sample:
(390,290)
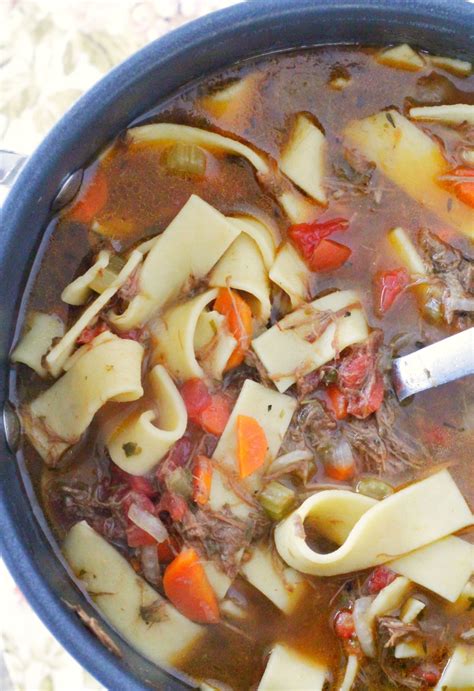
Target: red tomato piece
(213,418)
(168,549)
(196,398)
(174,504)
(307,236)
(136,537)
(370,400)
(388,285)
(379,579)
(344,624)
(328,256)
(90,332)
(428,672)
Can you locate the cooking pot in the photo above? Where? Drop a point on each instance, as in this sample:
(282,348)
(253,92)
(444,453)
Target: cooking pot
(245,30)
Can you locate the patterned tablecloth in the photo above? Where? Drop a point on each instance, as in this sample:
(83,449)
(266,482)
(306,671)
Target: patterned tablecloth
(51,51)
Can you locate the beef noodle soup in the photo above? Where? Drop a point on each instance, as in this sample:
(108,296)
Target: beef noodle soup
(203,377)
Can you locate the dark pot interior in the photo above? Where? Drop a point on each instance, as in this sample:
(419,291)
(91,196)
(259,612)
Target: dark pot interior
(200,48)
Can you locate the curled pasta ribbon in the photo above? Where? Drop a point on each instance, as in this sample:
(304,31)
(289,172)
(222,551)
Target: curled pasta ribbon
(57,357)
(291,274)
(139,444)
(184,253)
(372,532)
(185,331)
(79,290)
(106,369)
(242,268)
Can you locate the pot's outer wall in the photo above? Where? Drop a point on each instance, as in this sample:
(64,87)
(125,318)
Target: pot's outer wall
(201,47)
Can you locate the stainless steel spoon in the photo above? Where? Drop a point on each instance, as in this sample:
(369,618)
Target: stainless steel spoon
(439,363)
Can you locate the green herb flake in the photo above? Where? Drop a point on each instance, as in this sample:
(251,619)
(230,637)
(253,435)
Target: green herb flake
(130,448)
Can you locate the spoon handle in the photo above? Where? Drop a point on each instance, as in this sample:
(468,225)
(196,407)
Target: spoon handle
(441,362)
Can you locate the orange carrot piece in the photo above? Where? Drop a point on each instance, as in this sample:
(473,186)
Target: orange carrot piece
(337,402)
(252,445)
(239,322)
(202,479)
(92,200)
(188,589)
(213,418)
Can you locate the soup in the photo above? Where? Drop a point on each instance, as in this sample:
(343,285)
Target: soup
(204,378)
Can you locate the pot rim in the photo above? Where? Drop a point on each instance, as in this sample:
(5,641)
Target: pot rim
(26,192)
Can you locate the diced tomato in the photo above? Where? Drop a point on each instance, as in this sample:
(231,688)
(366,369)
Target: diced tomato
(353,370)
(370,399)
(141,484)
(337,402)
(329,256)
(388,285)
(196,398)
(132,335)
(213,418)
(379,579)
(436,435)
(168,549)
(90,332)
(202,479)
(344,624)
(464,189)
(307,236)
(174,504)
(428,672)
(187,587)
(92,200)
(136,537)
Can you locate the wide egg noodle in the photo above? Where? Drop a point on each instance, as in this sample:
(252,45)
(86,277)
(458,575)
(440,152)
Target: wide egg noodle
(311,336)
(57,357)
(141,442)
(183,254)
(106,369)
(242,268)
(40,331)
(265,236)
(167,132)
(289,669)
(78,291)
(372,532)
(411,160)
(303,159)
(273,412)
(290,273)
(136,610)
(179,336)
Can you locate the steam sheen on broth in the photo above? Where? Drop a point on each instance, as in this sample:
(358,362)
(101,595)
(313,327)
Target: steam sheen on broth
(203,377)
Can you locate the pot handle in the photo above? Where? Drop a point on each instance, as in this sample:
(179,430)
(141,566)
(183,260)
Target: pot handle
(11,164)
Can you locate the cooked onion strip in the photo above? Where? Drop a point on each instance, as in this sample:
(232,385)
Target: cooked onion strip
(148,522)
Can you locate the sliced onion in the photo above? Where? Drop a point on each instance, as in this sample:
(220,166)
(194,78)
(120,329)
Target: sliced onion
(289,459)
(363,626)
(147,522)
(339,460)
(150,564)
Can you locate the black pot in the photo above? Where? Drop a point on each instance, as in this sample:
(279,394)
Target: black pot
(199,48)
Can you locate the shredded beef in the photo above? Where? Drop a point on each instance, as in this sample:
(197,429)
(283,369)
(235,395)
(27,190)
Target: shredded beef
(379,446)
(217,535)
(455,272)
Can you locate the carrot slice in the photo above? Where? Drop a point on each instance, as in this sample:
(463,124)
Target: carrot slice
(202,479)
(188,589)
(239,321)
(464,188)
(213,418)
(337,402)
(92,200)
(252,445)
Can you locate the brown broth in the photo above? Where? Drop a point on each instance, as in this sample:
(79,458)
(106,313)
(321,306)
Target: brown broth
(145,198)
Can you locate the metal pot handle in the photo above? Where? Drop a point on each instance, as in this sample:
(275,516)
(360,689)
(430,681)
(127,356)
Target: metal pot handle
(11,164)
